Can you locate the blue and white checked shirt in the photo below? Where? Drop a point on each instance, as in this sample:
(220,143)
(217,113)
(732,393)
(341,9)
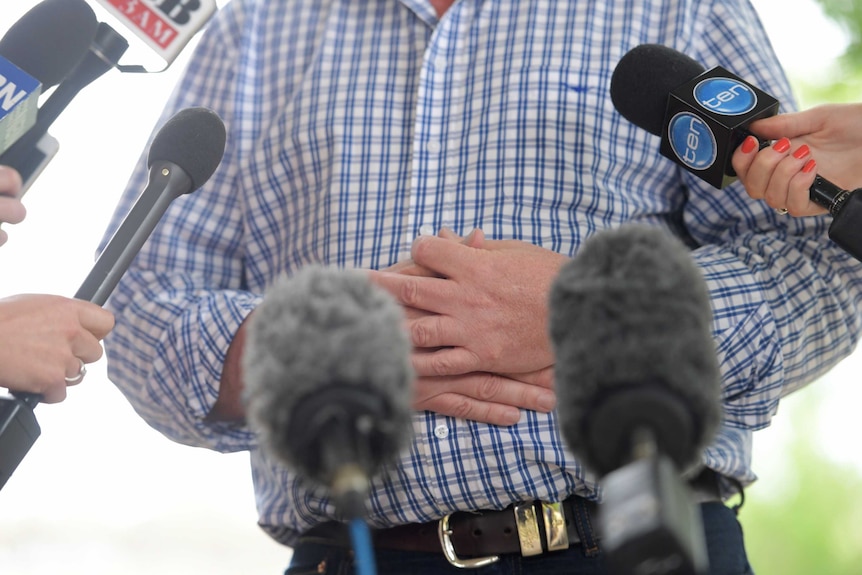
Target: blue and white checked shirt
(355,125)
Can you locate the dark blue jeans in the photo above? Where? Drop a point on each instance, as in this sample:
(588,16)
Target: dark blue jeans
(723,537)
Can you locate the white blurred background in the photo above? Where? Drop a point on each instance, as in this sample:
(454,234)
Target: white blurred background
(100,492)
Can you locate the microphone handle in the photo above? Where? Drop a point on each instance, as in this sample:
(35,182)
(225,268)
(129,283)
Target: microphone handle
(845,206)
(167,181)
(827,195)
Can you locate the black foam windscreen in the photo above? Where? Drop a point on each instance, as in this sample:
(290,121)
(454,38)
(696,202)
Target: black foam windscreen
(194,139)
(631,329)
(642,80)
(50,39)
(328,379)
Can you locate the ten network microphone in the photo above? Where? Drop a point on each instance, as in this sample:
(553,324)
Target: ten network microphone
(638,389)
(37,53)
(702,116)
(328,380)
(183,156)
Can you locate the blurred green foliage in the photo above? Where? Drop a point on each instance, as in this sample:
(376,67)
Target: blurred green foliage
(846,73)
(848,14)
(805,516)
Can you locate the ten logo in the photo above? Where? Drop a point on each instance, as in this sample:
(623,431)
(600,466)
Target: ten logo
(692,141)
(725,96)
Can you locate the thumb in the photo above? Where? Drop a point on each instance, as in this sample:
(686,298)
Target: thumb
(789,125)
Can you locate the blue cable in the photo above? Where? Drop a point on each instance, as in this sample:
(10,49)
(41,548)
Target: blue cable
(360,536)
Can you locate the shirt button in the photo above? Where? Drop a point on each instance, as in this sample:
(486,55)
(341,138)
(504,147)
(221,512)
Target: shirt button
(441,431)
(426,230)
(434,147)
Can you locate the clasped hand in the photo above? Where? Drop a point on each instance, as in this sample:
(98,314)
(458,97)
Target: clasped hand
(477,316)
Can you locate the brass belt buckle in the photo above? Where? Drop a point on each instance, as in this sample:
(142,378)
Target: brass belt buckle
(555,526)
(528,530)
(444,532)
(554,523)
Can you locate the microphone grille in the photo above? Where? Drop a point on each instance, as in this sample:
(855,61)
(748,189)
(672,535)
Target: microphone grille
(631,326)
(50,39)
(643,79)
(323,344)
(194,139)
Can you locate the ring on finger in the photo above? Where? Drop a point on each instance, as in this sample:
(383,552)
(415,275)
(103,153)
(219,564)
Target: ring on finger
(82,371)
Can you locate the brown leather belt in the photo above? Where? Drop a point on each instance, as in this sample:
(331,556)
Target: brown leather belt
(473,539)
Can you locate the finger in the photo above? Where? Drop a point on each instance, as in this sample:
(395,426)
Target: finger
(449,234)
(443,256)
(799,199)
(12,210)
(779,182)
(790,125)
(761,170)
(95,319)
(446,361)
(475,239)
(75,371)
(744,156)
(485,397)
(4,237)
(86,347)
(10,182)
(53,393)
(464,407)
(434,330)
(423,293)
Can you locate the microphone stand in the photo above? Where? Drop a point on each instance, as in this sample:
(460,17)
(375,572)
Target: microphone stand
(648,522)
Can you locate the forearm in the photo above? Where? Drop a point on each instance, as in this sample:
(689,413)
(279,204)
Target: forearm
(786,310)
(229,405)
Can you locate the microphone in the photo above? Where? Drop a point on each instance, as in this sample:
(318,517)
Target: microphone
(328,380)
(46,43)
(184,154)
(104,53)
(165,27)
(702,116)
(638,388)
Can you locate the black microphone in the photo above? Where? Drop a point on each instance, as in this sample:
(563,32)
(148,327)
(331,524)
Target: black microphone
(50,39)
(638,388)
(104,52)
(328,380)
(702,116)
(48,43)
(184,154)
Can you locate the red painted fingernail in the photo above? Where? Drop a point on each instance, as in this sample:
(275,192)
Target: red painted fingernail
(801,152)
(781,145)
(749,144)
(809,166)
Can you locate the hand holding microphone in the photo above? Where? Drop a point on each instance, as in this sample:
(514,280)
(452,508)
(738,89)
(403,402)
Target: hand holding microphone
(183,156)
(46,340)
(703,116)
(824,139)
